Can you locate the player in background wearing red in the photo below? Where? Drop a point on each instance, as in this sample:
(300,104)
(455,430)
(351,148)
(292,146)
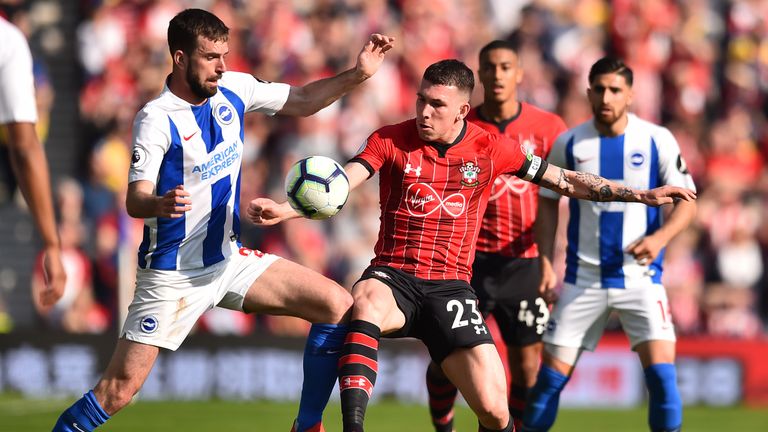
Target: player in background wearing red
(506,272)
(435,173)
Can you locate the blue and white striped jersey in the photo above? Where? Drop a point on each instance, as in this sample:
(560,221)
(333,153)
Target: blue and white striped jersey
(200,147)
(644,157)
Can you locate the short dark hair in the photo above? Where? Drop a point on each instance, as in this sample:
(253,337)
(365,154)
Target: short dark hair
(497,44)
(451,73)
(188,24)
(608,65)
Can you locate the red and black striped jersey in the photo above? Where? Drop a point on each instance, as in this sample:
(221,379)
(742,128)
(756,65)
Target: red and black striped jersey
(507,227)
(433,196)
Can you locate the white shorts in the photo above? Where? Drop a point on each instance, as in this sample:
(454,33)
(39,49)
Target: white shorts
(167,303)
(579,317)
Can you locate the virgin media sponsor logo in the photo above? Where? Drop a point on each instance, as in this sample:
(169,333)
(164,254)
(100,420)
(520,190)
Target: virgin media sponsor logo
(421,201)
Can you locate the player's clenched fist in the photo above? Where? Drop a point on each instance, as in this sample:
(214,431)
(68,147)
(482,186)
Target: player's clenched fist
(175,203)
(266,212)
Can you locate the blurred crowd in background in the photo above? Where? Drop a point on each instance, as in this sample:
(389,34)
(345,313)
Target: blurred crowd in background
(701,69)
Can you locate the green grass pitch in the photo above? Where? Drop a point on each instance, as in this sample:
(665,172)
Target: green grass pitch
(19,415)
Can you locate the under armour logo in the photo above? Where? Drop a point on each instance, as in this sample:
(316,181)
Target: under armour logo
(408,169)
(356,382)
(481,329)
(381,274)
(360,382)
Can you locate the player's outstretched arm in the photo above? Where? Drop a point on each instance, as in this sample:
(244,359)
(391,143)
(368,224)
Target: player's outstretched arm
(267,212)
(141,201)
(31,167)
(311,98)
(581,185)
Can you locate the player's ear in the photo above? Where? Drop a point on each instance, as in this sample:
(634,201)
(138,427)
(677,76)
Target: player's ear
(463,111)
(180,59)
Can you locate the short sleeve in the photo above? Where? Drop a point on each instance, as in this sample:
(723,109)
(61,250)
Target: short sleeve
(373,153)
(17,81)
(257,95)
(509,155)
(672,168)
(151,140)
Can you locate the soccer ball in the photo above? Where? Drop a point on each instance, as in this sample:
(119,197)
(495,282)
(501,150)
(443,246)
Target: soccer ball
(317,187)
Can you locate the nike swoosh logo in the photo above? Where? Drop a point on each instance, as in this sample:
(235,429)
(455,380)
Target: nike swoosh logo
(74,425)
(584,160)
(187,138)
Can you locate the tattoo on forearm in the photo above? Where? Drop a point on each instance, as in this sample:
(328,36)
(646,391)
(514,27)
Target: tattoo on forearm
(597,188)
(590,186)
(561,185)
(625,194)
(605,193)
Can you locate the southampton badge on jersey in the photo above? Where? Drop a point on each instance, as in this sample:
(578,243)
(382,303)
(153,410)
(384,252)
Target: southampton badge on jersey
(469,174)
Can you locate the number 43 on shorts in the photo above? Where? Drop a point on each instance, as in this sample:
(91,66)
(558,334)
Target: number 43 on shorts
(538,318)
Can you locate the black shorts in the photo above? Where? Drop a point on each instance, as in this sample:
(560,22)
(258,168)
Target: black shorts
(508,288)
(441,313)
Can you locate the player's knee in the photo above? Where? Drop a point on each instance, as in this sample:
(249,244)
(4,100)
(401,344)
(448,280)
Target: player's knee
(335,307)
(493,414)
(492,411)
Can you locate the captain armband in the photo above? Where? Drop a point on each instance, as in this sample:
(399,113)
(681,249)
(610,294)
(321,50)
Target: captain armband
(533,169)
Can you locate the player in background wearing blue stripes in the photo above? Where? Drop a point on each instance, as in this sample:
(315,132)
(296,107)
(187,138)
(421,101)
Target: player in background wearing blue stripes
(615,250)
(184,182)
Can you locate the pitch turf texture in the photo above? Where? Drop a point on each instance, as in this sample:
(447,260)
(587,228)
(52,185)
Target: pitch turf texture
(18,415)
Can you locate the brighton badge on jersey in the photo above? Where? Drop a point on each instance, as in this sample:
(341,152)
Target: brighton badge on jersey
(224,113)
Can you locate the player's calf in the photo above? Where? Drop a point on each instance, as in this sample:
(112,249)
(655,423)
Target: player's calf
(321,358)
(358,367)
(442,396)
(665,407)
(543,400)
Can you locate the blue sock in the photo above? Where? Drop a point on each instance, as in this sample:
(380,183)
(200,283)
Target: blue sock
(543,400)
(321,362)
(84,415)
(665,407)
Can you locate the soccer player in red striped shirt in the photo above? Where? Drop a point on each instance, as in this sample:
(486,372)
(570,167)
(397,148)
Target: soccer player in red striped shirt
(506,272)
(435,173)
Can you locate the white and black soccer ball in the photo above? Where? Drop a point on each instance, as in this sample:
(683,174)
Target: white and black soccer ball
(317,187)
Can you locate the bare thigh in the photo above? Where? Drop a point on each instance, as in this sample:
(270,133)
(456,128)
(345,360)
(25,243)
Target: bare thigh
(479,375)
(375,303)
(287,288)
(127,370)
(656,351)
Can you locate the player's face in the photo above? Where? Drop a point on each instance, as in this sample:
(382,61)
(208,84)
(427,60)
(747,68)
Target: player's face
(500,74)
(206,65)
(440,110)
(610,97)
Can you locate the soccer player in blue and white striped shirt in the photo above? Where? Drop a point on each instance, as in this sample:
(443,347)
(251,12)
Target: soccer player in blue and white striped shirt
(615,250)
(185,184)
